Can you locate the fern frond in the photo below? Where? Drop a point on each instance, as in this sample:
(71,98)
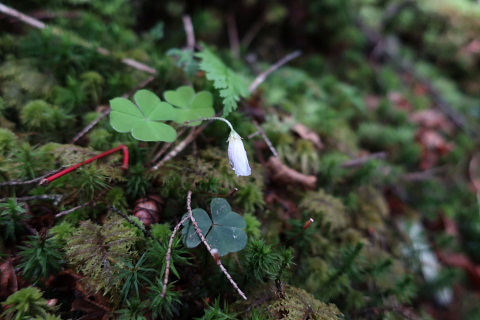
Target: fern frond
(231,85)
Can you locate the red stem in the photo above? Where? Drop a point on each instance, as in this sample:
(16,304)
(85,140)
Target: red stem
(126,159)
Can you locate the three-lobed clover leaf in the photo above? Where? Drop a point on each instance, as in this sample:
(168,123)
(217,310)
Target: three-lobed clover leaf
(142,119)
(223,231)
(190,106)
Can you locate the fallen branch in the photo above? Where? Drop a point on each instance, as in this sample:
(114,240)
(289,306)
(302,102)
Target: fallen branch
(65,212)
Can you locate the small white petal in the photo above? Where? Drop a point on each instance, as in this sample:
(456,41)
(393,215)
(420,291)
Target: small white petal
(238,155)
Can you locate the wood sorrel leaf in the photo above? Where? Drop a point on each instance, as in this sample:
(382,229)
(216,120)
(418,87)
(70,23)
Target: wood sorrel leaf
(224,231)
(190,106)
(142,119)
(204,223)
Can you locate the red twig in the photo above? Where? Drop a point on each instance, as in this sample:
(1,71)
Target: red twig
(126,159)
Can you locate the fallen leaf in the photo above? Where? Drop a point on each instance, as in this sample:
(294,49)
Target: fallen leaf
(432,119)
(308,134)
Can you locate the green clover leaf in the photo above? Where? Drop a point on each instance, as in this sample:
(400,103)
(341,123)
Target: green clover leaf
(142,119)
(190,106)
(204,223)
(224,231)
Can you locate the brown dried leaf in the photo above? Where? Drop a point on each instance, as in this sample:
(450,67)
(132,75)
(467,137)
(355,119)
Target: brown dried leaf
(308,134)
(432,119)
(399,101)
(283,174)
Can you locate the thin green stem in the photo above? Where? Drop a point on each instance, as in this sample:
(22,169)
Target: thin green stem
(212,118)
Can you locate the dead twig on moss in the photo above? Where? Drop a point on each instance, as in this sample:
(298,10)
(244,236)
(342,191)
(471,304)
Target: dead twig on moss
(362,160)
(59,32)
(165,146)
(55,197)
(262,76)
(168,256)
(265,138)
(36,180)
(182,145)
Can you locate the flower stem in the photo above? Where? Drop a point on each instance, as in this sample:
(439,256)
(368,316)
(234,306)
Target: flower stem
(212,118)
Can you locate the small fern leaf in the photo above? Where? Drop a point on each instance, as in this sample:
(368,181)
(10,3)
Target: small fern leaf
(232,86)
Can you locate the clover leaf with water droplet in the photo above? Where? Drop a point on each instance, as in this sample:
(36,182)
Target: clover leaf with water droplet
(190,106)
(143,118)
(223,231)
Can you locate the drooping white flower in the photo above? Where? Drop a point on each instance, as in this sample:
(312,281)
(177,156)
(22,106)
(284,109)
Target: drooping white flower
(238,155)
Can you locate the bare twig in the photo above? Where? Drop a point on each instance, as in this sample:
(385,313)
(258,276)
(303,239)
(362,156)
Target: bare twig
(188,26)
(84,205)
(40,25)
(36,180)
(262,76)
(168,256)
(362,160)
(210,249)
(55,197)
(182,145)
(266,139)
(65,212)
(253,31)
(424,175)
(233,35)
(22,17)
(166,146)
(90,126)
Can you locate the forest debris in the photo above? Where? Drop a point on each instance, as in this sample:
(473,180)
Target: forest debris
(372,102)
(434,146)
(432,119)
(308,134)
(363,159)
(147,209)
(281,173)
(399,101)
(8,279)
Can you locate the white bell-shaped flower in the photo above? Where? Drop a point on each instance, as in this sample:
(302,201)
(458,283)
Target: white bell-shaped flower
(238,155)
